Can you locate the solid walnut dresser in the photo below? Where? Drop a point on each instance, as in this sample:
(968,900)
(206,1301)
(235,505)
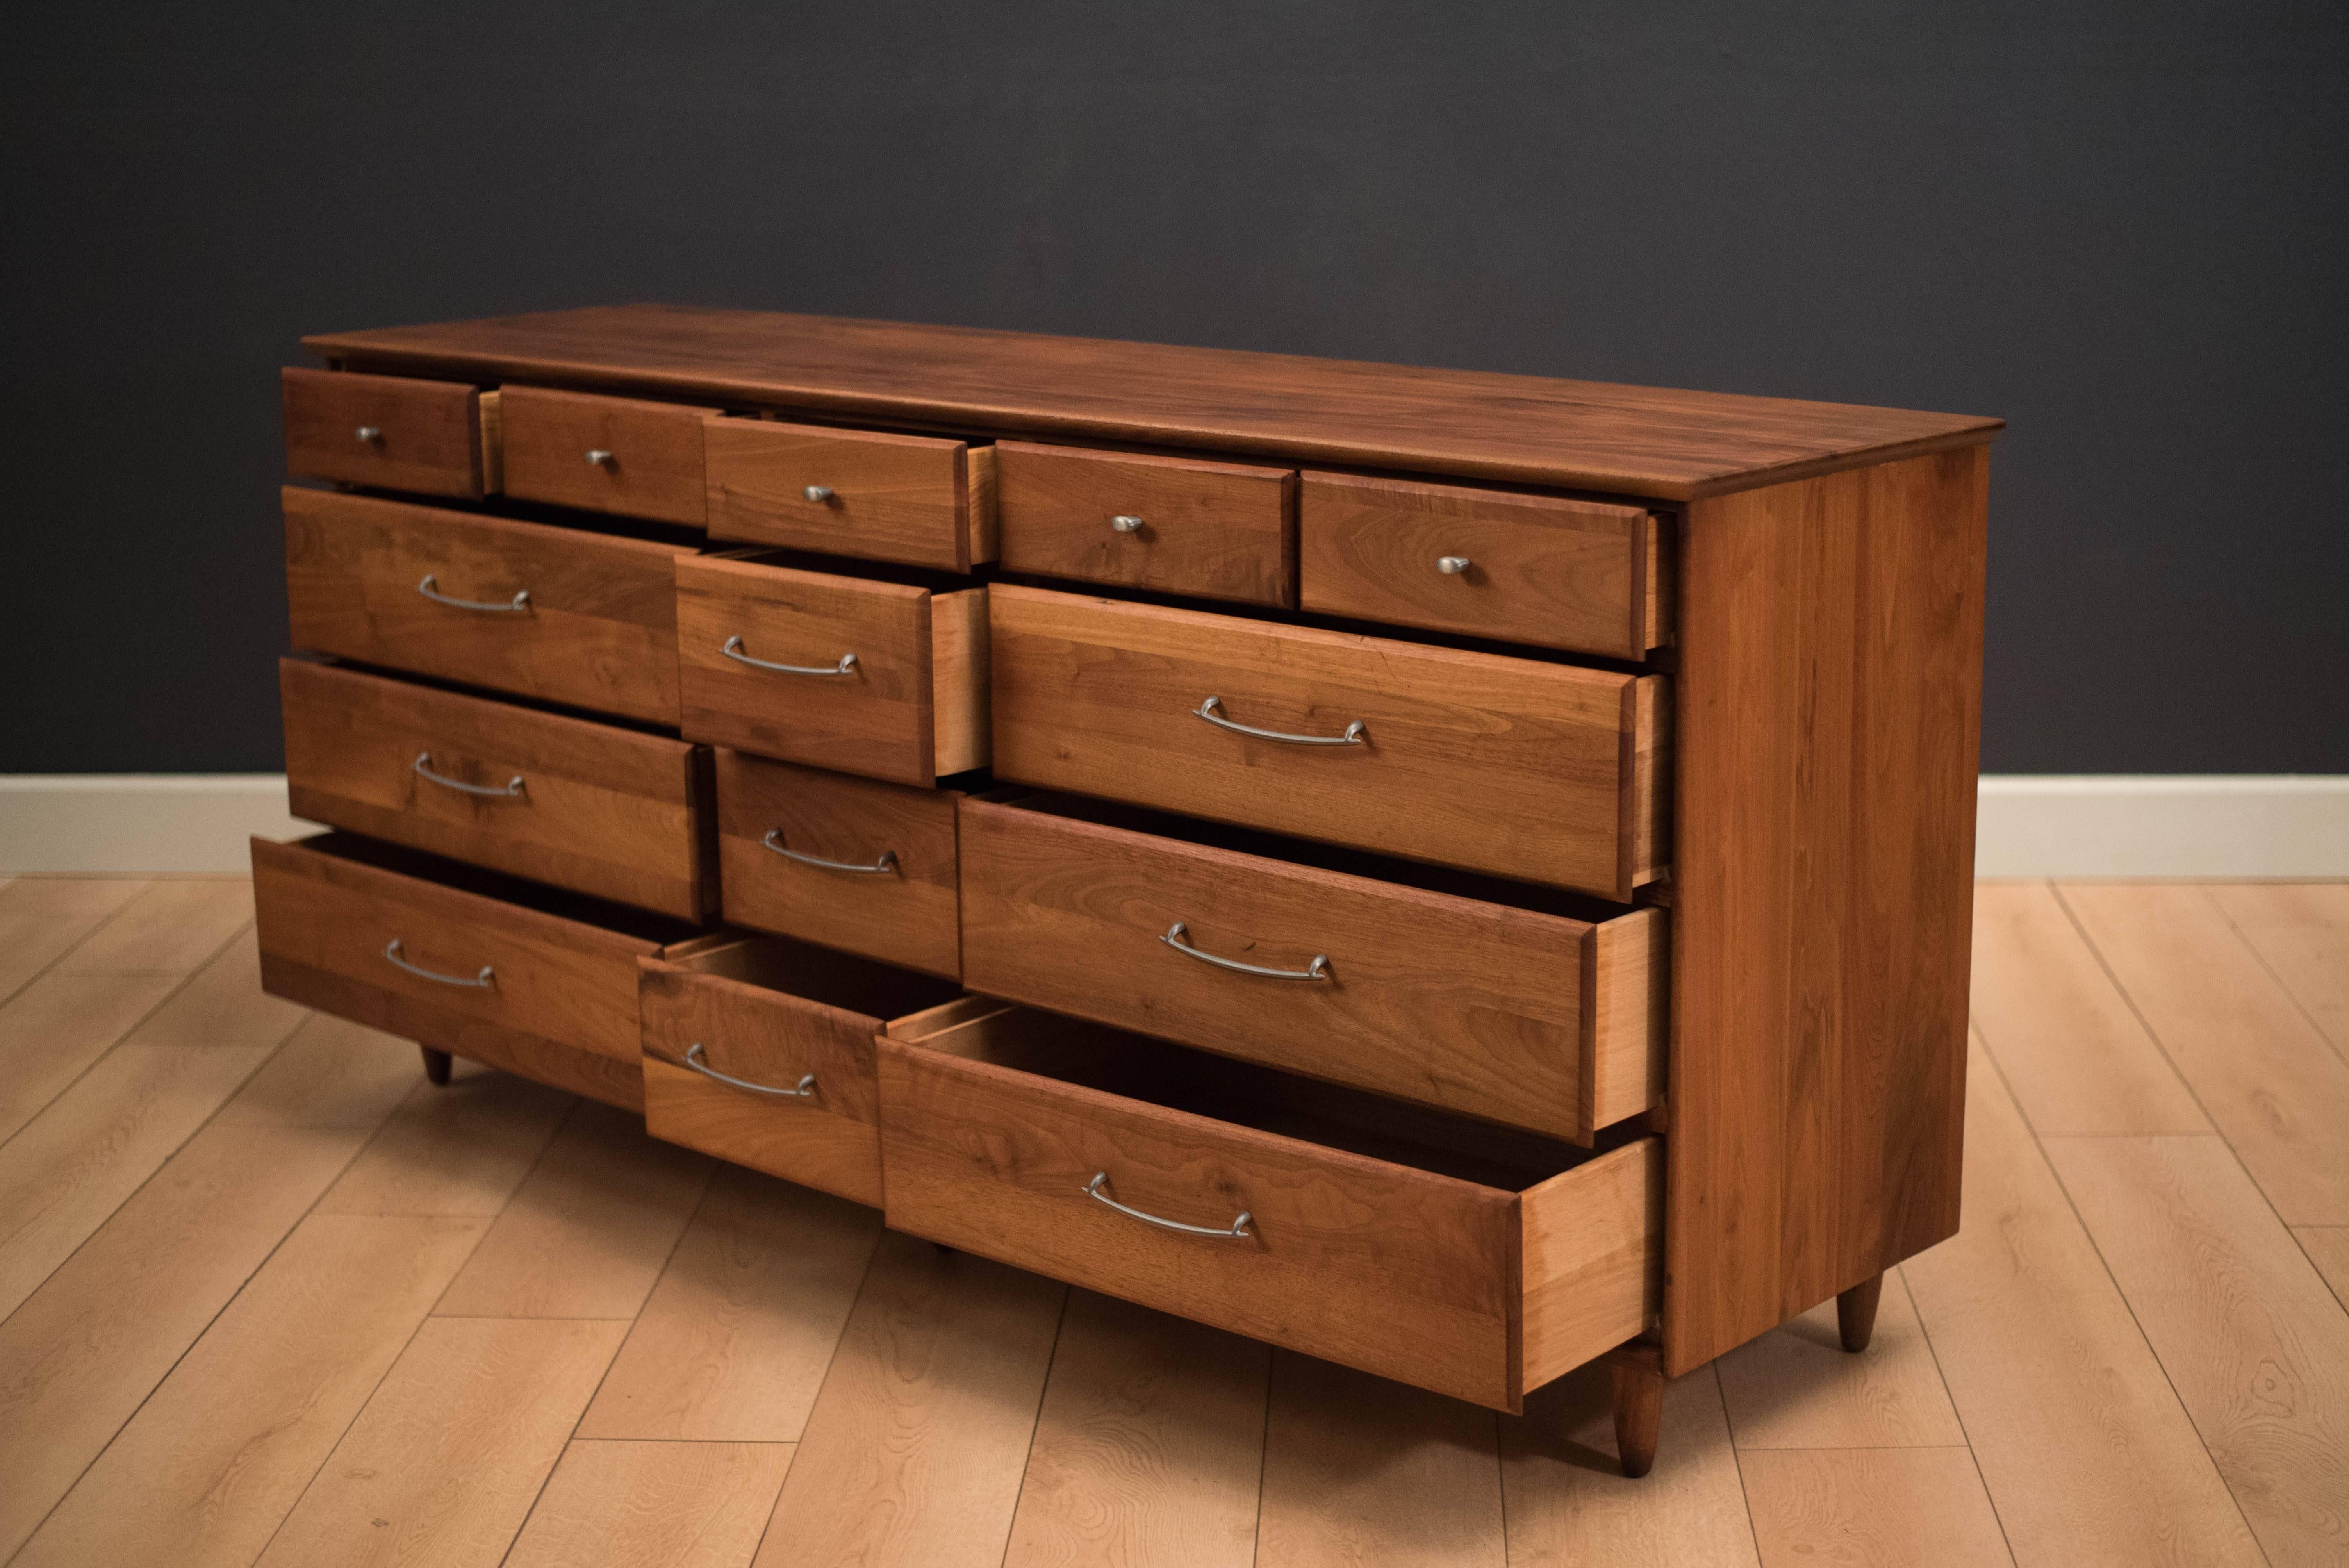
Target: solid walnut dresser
(1460,875)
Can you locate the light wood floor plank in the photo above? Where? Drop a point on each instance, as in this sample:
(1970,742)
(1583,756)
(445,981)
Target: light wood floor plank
(1568,1505)
(2076,1056)
(443,1464)
(2089,1458)
(223,1004)
(78,1358)
(735,1339)
(41,918)
(1859,1508)
(589,1230)
(52,1030)
(331,1073)
(210,1465)
(2273,1085)
(1359,1470)
(653,1505)
(2302,930)
(2327,1247)
(1150,1445)
(2251,1336)
(73,1165)
(459,1150)
(171,928)
(914,1452)
(1795,1387)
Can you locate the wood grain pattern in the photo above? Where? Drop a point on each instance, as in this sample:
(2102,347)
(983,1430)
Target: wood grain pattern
(1829,703)
(42,917)
(962,672)
(1591,1239)
(427,434)
(51,1032)
(911,916)
(654,467)
(171,927)
(913,1452)
(1795,1386)
(601,810)
(215,1458)
(1627,972)
(2327,1247)
(733,1343)
(1523,428)
(1923,1507)
(1544,570)
(1149,1445)
(222,1004)
(893,498)
(455,1149)
(2301,931)
(1496,764)
(2252,1340)
(653,1505)
(330,1072)
(600,633)
(1220,531)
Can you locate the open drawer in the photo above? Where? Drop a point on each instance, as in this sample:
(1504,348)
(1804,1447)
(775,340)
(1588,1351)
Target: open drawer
(760,1050)
(1459,1257)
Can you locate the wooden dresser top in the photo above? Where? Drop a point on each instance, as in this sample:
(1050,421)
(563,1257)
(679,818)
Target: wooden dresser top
(1527,429)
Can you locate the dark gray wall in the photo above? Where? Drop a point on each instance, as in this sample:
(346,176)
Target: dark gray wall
(2118,225)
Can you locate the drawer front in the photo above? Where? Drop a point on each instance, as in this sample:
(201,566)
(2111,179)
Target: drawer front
(385,430)
(618,455)
(1539,772)
(828,1140)
(1472,1007)
(1385,1267)
(776,822)
(1522,569)
(372,580)
(562,800)
(1222,530)
(881,679)
(913,499)
(406,954)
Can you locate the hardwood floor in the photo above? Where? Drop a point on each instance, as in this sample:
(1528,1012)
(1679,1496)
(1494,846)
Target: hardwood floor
(269,1298)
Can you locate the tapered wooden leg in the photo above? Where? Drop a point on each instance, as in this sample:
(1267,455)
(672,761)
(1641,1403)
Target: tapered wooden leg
(1639,1406)
(436,1065)
(1856,1313)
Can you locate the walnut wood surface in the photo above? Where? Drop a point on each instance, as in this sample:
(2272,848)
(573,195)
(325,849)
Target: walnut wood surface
(1626,973)
(655,469)
(1501,765)
(600,633)
(1220,531)
(1542,570)
(1593,1249)
(894,498)
(1529,429)
(909,917)
(603,810)
(429,433)
(1829,715)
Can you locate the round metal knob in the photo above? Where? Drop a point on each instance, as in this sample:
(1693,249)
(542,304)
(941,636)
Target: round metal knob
(1126,524)
(818,493)
(369,434)
(1452,565)
(597,457)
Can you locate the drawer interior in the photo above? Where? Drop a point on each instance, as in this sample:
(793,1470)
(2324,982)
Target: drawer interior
(815,974)
(587,910)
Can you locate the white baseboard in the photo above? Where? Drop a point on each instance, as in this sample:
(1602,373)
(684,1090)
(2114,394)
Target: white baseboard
(2091,825)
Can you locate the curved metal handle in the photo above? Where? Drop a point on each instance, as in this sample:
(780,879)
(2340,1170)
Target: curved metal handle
(694,1059)
(1453,565)
(734,650)
(422,768)
(1178,938)
(598,457)
(518,605)
(818,493)
(1355,734)
(1238,1227)
(368,435)
(480,982)
(881,867)
(1126,524)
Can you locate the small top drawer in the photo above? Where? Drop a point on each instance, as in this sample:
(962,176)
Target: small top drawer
(1177,525)
(387,430)
(1581,576)
(619,455)
(913,499)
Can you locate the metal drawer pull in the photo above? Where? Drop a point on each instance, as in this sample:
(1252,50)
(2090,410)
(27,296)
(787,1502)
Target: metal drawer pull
(881,867)
(1355,734)
(734,650)
(1178,937)
(519,604)
(598,457)
(1453,565)
(817,492)
(480,982)
(1238,1227)
(693,1059)
(423,768)
(1126,524)
(369,435)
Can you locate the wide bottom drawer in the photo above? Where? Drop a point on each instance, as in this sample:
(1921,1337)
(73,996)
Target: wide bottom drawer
(539,983)
(1466,1259)
(760,1050)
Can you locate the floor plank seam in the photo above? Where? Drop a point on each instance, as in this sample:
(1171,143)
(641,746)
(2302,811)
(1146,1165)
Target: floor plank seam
(2282,985)
(1925,1332)
(1736,1458)
(552,1138)
(1043,1386)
